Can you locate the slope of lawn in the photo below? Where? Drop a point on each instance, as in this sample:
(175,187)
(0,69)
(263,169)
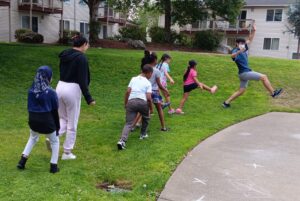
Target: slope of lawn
(144,165)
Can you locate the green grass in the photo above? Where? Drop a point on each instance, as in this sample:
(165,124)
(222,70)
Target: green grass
(149,162)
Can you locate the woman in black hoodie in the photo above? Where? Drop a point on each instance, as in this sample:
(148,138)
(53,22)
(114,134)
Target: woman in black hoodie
(74,81)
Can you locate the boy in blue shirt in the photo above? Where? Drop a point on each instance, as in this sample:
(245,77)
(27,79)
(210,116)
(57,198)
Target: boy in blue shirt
(240,57)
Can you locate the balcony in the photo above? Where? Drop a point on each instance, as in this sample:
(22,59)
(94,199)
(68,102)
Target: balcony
(4,2)
(42,6)
(241,27)
(108,15)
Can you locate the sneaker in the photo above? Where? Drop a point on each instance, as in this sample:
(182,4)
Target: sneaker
(164,105)
(68,156)
(22,163)
(214,89)
(121,145)
(277,93)
(144,136)
(179,111)
(226,105)
(53,168)
(48,145)
(171,111)
(164,129)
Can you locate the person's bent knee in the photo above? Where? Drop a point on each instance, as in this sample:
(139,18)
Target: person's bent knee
(264,78)
(242,90)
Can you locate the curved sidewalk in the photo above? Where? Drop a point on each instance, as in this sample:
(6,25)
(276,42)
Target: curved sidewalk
(258,159)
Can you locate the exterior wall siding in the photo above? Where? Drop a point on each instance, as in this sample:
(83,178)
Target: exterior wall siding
(48,24)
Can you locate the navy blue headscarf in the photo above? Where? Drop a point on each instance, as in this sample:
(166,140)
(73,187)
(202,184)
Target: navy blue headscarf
(41,97)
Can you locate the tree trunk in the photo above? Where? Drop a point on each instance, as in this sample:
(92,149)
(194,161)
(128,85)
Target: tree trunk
(168,22)
(94,24)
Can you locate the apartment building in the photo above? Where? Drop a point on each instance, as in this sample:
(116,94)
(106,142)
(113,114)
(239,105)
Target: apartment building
(46,16)
(271,38)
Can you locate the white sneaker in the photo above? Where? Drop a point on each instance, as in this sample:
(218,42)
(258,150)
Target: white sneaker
(144,136)
(69,156)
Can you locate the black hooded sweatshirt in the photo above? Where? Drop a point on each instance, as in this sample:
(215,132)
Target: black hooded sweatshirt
(74,68)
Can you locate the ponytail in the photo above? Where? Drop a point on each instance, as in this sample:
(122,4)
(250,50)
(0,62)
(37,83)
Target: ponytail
(186,74)
(192,64)
(162,60)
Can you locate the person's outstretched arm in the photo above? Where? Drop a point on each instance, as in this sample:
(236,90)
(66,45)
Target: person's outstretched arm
(250,39)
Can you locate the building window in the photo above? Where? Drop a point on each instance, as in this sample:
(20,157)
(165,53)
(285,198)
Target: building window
(66,25)
(271,44)
(84,28)
(67,1)
(296,56)
(274,15)
(81,2)
(25,23)
(28,1)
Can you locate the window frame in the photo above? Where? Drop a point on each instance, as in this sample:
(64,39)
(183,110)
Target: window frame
(64,25)
(85,27)
(271,43)
(274,12)
(37,20)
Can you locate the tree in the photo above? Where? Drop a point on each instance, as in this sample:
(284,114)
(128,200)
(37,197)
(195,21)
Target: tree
(128,7)
(294,20)
(94,24)
(188,11)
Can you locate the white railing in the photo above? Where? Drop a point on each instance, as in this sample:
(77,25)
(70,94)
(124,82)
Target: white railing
(220,25)
(42,3)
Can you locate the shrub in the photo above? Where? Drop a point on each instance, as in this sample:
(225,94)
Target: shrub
(67,37)
(134,33)
(28,36)
(207,40)
(158,35)
(184,40)
(20,32)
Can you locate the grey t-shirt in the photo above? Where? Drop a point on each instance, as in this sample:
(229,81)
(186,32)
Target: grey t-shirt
(156,74)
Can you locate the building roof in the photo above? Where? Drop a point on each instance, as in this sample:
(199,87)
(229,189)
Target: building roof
(254,3)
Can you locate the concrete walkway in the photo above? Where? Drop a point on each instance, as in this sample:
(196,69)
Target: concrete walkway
(257,160)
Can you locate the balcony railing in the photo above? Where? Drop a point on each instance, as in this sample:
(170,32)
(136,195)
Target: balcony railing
(110,16)
(4,2)
(42,6)
(241,26)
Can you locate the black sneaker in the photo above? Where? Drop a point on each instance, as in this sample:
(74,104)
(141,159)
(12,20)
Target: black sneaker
(277,93)
(121,145)
(164,105)
(53,168)
(226,105)
(22,163)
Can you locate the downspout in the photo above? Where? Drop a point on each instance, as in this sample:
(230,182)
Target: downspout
(30,16)
(9,21)
(75,15)
(61,20)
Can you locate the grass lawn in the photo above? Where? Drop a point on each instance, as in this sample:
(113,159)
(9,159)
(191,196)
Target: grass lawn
(144,165)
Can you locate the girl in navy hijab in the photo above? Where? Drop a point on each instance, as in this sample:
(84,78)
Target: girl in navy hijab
(43,116)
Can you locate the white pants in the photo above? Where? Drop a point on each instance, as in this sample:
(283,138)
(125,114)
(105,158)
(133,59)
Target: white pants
(34,138)
(69,98)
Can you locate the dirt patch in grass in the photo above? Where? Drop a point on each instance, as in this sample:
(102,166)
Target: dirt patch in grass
(288,99)
(120,186)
